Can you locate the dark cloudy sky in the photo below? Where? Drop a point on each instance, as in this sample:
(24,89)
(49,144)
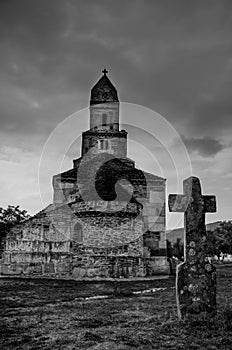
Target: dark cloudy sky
(172,56)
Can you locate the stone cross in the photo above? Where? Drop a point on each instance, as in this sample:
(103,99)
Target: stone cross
(196,276)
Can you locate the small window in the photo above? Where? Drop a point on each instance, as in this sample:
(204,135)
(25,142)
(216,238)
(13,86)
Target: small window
(104,119)
(101,144)
(106,144)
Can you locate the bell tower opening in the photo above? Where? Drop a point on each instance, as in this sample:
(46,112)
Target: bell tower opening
(104,119)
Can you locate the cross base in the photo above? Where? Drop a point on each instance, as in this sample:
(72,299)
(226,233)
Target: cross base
(196,290)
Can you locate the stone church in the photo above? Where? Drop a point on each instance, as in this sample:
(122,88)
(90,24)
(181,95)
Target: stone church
(107,219)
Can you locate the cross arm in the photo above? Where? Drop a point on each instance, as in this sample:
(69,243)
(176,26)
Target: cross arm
(178,203)
(209,204)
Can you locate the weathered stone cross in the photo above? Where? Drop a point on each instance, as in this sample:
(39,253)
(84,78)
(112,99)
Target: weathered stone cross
(196,276)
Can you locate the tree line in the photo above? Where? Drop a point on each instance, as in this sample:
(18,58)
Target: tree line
(218,241)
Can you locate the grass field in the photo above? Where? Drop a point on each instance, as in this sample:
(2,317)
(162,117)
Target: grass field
(43,314)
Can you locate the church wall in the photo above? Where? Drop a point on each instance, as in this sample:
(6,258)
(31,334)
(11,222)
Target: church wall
(100,231)
(110,267)
(52,254)
(108,262)
(90,258)
(46,240)
(154,214)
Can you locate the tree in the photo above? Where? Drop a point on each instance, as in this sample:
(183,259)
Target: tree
(169,249)
(220,240)
(175,250)
(9,217)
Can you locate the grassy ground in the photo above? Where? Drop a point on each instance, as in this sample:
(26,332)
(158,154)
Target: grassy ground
(55,315)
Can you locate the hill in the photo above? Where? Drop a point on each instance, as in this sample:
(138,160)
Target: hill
(173,235)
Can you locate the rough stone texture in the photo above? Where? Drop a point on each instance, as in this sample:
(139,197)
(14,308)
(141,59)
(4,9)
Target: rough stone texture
(107,218)
(196,277)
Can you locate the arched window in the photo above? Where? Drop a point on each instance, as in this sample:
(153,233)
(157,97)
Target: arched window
(77,235)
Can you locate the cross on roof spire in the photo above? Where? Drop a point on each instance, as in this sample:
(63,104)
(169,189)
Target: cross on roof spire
(105,71)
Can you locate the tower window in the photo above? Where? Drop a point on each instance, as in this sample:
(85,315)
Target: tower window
(104,119)
(103,144)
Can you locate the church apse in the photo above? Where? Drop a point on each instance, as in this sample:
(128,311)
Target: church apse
(107,219)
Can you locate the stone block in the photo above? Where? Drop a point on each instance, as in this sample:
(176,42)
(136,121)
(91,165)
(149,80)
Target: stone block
(49,268)
(11,269)
(78,273)
(63,268)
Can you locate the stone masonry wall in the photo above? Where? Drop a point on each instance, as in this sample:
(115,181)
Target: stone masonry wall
(113,238)
(111,110)
(39,248)
(116,143)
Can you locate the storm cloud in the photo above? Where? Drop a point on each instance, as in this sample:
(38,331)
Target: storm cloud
(206,147)
(56,49)
(174,57)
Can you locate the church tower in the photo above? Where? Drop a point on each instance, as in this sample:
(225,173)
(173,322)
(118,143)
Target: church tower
(104,105)
(104,134)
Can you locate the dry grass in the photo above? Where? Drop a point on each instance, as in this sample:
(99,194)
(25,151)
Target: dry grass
(52,315)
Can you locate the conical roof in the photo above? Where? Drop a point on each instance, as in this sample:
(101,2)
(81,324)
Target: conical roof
(103,91)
